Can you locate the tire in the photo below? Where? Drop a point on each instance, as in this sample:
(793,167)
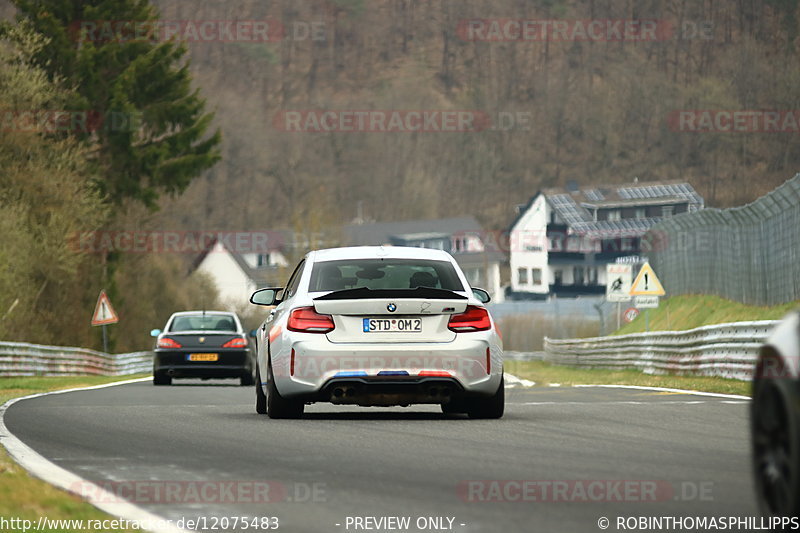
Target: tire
(489,408)
(277,405)
(261,398)
(161,378)
(775,432)
(247,380)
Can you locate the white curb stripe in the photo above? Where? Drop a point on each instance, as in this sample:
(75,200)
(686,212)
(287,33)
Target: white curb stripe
(680,391)
(40,467)
(514,381)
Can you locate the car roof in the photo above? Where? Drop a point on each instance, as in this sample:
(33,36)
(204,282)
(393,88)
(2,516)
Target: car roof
(201,312)
(378,252)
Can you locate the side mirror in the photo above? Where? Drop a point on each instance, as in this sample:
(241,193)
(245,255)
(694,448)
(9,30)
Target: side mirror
(482,296)
(266,296)
(155,332)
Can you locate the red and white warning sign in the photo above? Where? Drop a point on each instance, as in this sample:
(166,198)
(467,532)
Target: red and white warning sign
(103,312)
(630,314)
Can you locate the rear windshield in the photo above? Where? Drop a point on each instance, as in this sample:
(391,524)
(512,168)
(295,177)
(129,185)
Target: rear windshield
(203,323)
(383,274)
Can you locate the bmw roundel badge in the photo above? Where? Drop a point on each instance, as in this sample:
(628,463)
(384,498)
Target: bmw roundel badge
(391,308)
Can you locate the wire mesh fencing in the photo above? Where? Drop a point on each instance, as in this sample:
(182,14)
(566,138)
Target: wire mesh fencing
(749,254)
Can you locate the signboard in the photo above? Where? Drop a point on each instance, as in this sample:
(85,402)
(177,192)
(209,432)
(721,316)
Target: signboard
(630,314)
(618,282)
(646,302)
(647,283)
(103,312)
(631,260)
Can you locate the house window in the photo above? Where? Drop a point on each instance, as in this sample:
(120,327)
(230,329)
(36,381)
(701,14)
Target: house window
(640,213)
(536,276)
(522,276)
(558,277)
(667,210)
(573,244)
(474,276)
(262,260)
(615,215)
(577,275)
(627,244)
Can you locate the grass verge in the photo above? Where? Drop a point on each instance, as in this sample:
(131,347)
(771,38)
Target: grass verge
(26,497)
(692,311)
(546,374)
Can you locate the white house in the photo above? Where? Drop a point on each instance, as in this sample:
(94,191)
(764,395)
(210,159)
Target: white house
(562,239)
(462,237)
(236,275)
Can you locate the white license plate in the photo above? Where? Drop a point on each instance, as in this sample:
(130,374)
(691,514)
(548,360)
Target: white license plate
(385,325)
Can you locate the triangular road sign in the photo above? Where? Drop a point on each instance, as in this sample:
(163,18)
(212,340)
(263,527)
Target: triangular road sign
(103,312)
(647,283)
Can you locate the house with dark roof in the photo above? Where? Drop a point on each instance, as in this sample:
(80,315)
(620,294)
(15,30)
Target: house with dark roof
(563,238)
(462,237)
(240,266)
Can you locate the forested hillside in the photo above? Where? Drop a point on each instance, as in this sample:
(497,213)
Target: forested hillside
(596,111)
(539,111)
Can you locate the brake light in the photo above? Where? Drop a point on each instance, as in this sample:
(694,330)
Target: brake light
(239,342)
(166,342)
(307,320)
(473,319)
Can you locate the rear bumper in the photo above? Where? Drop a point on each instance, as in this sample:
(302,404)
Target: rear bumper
(230,364)
(385,392)
(312,367)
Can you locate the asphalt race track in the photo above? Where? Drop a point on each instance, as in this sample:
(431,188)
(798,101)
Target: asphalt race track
(575,448)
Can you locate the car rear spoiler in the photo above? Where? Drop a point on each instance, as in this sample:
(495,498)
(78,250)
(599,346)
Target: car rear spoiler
(364,301)
(365,293)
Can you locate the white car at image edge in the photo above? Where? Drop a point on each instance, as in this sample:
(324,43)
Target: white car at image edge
(378,326)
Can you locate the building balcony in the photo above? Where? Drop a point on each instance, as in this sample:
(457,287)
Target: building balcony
(577,290)
(565,257)
(610,257)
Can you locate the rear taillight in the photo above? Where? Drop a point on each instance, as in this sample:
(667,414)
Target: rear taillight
(307,320)
(166,342)
(238,342)
(473,319)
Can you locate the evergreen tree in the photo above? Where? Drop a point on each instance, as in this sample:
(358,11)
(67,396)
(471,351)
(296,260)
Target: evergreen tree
(148,127)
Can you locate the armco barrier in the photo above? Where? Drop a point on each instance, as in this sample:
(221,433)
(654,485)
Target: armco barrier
(24,359)
(724,350)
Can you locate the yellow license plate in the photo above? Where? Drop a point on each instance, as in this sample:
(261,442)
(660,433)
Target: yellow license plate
(203,357)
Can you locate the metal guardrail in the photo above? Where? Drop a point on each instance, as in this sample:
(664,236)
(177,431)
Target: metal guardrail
(523,356)
(25,359)
(723,350)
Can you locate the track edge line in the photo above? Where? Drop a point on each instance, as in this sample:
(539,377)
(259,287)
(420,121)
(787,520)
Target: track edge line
(49,472)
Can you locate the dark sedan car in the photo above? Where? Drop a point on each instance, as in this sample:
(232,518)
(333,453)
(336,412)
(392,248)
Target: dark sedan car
(203,344)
